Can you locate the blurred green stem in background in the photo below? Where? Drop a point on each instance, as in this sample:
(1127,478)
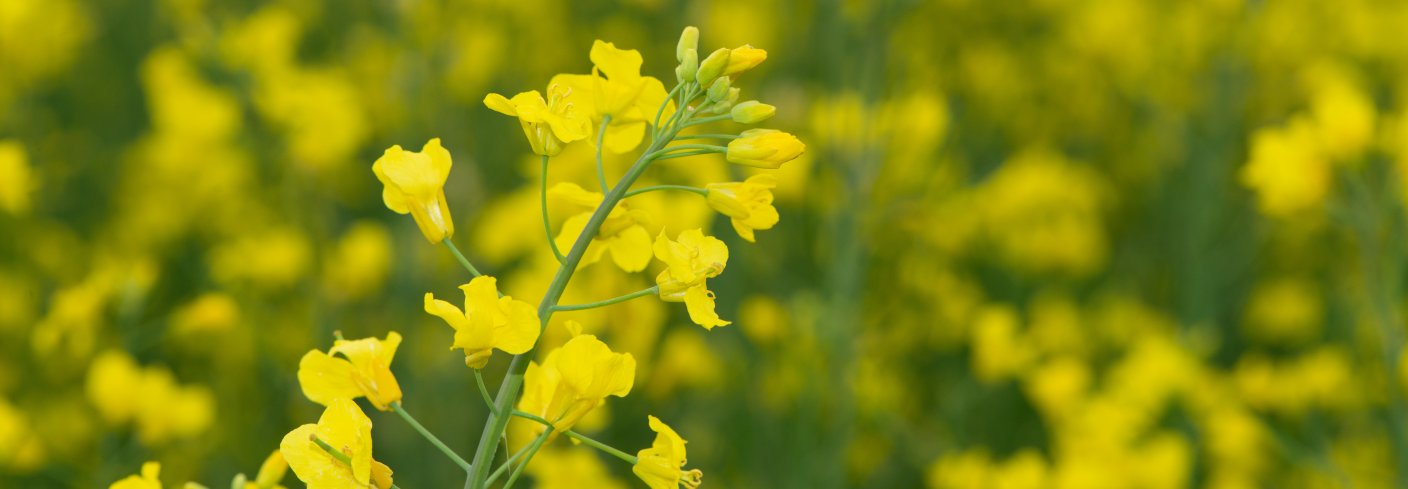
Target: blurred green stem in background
(654,188)
(547,223)
(601,168)
(396,406)
(607,302)
(513,380)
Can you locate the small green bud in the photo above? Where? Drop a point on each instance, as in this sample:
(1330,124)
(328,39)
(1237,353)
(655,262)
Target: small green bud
(689,41)
(724,105)
(719,90)
(712,66)
(688,67)
(752,112)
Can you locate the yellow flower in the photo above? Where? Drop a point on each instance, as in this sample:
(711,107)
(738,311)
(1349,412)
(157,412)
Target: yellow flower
(575,379)
(690,261)
(345,429)
(764,148)
(661,466)
(549,124)
(150,398)
(623,232)
(415,184)
(748,203)
(364,370)
(631,100)
(487,321)
(147,480)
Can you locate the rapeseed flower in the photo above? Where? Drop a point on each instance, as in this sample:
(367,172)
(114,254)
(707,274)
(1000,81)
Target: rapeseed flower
(348,432)
(616,89)
(748,203)
(549,124)
(487,321)
(575,379)
(662,465)
(623,233)
(415,184)
(363,370)
(147,479)
(691,259)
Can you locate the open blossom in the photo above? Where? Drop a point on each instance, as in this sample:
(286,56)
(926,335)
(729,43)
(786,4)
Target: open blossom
(344,428)
(617,90)
(363,370)
(764,148)
(691,260)
(747,203)
(662,465)
(575,379)
(415,184)
(623,232)
(549,124)
(487,321)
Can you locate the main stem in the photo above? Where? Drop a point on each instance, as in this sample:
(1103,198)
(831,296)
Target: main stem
(513,380)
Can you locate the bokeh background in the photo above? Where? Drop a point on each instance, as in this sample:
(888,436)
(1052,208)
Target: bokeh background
(1076,244)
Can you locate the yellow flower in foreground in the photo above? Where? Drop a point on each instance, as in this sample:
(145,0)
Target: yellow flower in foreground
(661,466)
(748,203)
(690,261)
(363,370)
(575,379)
(764,148)
(549,124)
(487,321)
(147,480)
(415,184)
(631,100)
(345,429)
(623,232)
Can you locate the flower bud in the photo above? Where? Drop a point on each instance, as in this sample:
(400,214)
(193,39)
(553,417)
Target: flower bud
(719,90)
(743,58)
(752,112)
(712,66)
(689,41)
(689,66)
(764,148)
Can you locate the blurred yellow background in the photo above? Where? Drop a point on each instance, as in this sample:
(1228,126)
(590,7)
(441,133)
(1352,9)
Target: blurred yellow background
(1072,244)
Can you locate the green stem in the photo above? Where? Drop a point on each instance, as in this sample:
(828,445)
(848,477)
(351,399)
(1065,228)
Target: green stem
(547,224)
(607,302)
(654,188)
(513,380)
(455,250)
(628,458)
(708,136)
(685,154)
(507,464)
(396,406)
(528,457)
(337,454)
(600,139)
(655,129)
(484,390)
(701,147)
(707,120)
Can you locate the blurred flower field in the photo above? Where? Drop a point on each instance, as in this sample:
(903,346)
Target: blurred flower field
(1067,244)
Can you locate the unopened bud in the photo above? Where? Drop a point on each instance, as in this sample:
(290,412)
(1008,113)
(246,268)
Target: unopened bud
(719,90)
(752,112)
(689,41)
(689,66)
(712,66)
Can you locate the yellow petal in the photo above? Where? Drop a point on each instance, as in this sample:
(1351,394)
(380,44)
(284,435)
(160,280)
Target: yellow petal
(631,249)
(344,427)
(619,65)
(699,301)
(446,311)
(521,332)
(499,103)
(481,296)
(325,378)
(622,138)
